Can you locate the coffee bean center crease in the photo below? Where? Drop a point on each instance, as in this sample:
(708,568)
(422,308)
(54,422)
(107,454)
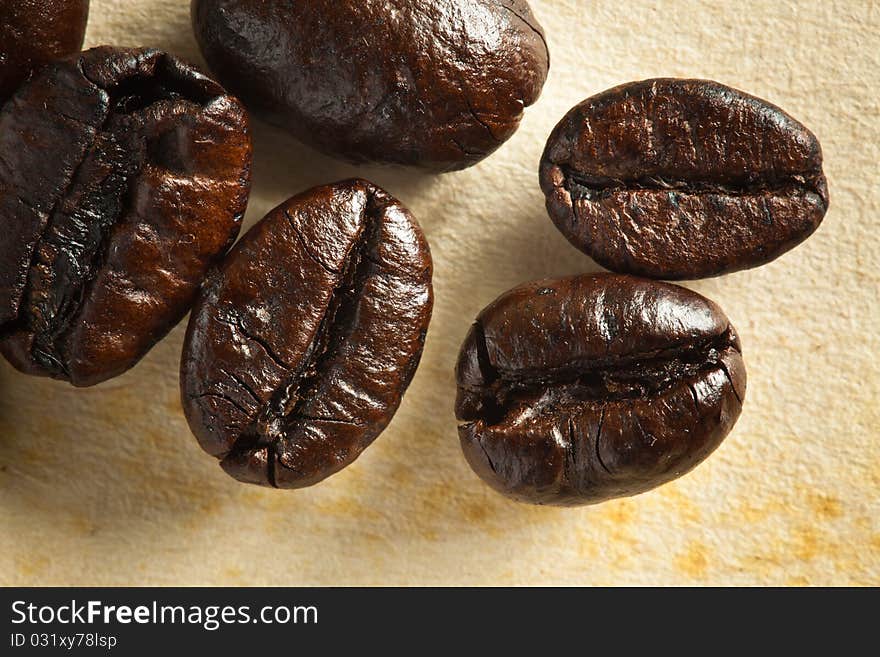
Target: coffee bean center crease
(583,186)
(71,248)
(285,408)
(634,376)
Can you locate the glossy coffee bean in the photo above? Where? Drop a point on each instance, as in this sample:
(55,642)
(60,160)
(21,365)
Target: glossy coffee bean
(677,179)
(303,343)
(438,84)
(35,32)
(124,175)
(579,390)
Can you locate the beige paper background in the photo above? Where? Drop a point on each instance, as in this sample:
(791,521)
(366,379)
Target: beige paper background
(106,486)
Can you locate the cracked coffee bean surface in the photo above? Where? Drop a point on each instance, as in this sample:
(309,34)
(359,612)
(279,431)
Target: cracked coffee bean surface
(677,179)
(438,84)
(303,343)
(579,390)
(35,32)
(124,175)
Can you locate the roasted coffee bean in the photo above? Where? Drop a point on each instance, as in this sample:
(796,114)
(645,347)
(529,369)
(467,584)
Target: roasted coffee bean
(579,390)
(682,179)
(124,175)
(35,32)
(438,84)
(303,343)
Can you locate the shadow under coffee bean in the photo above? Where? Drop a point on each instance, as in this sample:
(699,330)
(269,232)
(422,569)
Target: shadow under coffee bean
(304,341)
(124,175)
(676,179)
(582,389)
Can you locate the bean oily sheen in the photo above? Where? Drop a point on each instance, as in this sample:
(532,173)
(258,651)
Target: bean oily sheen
(35,32)
(438,84)
(124,175)
(304,341)
(582,389)
(675,179)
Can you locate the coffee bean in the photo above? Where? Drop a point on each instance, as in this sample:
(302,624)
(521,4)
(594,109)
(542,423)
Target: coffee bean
(303,343)
(35,32)
(579,390)
(124,175)
(438,84)
(680,179)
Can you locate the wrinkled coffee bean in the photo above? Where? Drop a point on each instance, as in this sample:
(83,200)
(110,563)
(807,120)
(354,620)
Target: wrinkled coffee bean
(35,32)
(681,179)
(124,175)
(579,390)
(433,83)
(302,345)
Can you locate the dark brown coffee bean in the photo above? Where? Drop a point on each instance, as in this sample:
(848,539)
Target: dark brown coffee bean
(124,175)
(682,179)
(302,345)
(579,390)
(438,84)
(35,32)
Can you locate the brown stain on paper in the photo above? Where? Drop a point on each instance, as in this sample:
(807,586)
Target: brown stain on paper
(615,525)
(825,506)
(694,561)
(33,566)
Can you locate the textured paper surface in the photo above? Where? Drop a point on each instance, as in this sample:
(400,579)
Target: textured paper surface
(106,486)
